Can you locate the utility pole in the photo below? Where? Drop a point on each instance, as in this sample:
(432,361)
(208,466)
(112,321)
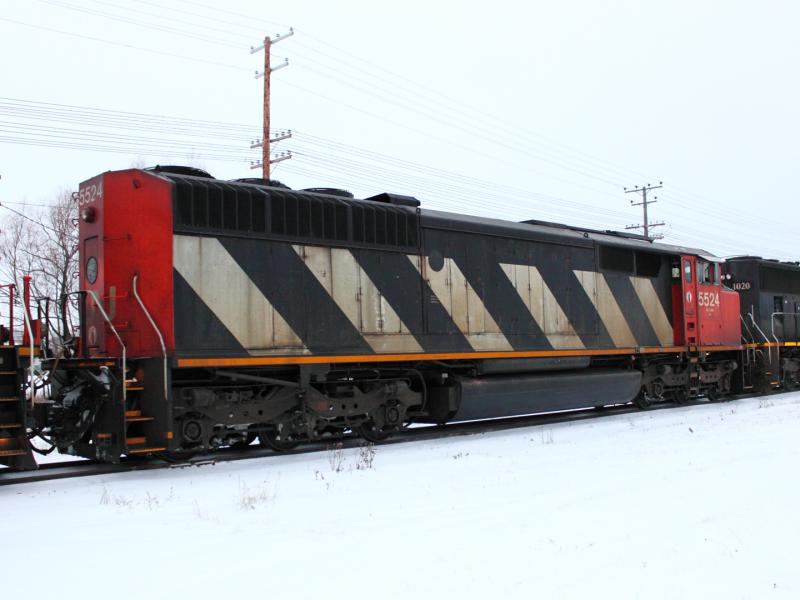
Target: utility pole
(646,225)
(268,69)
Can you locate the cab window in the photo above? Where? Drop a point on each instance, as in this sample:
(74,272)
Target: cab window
(687,271)
(705,272)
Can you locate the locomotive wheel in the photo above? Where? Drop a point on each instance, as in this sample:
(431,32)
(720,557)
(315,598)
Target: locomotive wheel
(726,386)
(642,401)
(372,433)
(277,440)
(680,396)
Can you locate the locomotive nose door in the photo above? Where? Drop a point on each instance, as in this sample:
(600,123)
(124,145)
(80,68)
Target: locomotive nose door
(689,299)
(94,330)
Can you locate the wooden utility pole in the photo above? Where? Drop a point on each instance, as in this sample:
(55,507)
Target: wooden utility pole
(268,69)
(646,225)
(265,144)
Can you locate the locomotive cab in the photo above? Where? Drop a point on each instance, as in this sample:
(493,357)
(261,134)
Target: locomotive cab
(706,313)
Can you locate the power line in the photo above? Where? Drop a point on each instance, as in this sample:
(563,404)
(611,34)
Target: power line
(22,203)
(467,130)
(152,26)
(233,13)
(423,90)
(27,218)
(166,147)
(333,99)
(392,98)
(94,113)
(330,148)
(123,45)
(122,150)
(161,7)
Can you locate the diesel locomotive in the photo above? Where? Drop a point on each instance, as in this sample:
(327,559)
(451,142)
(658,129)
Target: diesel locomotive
(216,312)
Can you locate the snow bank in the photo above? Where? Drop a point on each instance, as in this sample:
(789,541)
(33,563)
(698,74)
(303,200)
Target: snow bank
(694,502)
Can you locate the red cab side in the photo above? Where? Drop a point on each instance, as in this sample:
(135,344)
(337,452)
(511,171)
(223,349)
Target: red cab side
(704,312)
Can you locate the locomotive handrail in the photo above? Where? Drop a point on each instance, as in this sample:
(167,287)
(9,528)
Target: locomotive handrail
(11,287)
(158,333)
(47,338)
(766,339)
(94,296)
(750,333)
(27,320)
(777,343)
(752,340)
(772,320)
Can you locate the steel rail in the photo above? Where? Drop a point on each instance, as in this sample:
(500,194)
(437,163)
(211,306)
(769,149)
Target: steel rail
(87,468)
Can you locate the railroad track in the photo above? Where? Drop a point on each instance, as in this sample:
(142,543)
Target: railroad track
(87,468)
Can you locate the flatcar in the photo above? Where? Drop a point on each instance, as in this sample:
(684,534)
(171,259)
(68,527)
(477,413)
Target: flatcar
(217,312)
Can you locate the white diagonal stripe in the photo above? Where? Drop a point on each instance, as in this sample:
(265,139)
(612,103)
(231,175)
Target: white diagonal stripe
(648,296)
(464,306)
(607,307)
(333,267)
(231,295)
(543,306)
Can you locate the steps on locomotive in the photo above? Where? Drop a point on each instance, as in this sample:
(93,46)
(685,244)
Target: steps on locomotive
(15,450)
(136,422)
(125,428)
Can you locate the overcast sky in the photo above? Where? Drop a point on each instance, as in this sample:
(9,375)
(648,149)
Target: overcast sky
(519,110)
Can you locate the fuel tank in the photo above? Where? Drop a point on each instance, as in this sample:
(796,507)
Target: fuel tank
(512,395)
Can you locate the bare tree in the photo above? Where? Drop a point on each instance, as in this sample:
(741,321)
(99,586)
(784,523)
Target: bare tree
(57,256)
(17,237)
(44,244)
(16,234)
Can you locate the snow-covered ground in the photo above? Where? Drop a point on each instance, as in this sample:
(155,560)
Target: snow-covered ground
(698,502)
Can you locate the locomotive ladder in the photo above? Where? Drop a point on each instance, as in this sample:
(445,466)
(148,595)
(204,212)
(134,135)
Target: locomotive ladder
(136,424)
(15,450)
(749,357)
(136,442)
(772,366)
